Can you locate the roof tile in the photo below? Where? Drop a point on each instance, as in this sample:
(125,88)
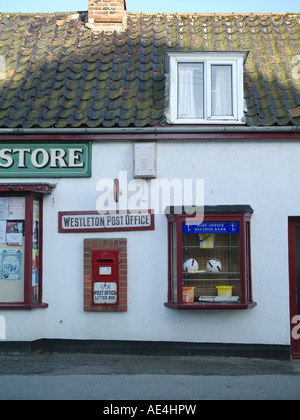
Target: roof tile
(60,74)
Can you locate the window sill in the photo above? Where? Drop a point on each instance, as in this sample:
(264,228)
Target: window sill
(208,122)
(201,306)
(23,306)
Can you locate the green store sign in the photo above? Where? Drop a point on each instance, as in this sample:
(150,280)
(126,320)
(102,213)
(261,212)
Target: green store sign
(50,160)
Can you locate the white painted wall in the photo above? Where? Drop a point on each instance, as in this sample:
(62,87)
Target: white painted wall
(263,174)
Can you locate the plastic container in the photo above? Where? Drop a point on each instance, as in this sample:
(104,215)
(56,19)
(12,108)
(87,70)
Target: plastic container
(225,291)
(188,294)
(206,241)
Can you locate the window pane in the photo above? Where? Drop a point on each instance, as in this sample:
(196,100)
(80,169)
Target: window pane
(211,270)
(174,262)
(35,251)
(298,268)
(247,261)
(12,249)
(191,90)
(221,91)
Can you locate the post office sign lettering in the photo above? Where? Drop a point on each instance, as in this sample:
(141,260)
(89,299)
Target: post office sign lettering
(105,293)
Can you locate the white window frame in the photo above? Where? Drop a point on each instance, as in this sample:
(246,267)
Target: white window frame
(235,59)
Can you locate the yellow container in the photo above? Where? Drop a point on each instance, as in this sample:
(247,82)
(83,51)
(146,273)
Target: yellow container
(225,291)
(188,294)
(206,241)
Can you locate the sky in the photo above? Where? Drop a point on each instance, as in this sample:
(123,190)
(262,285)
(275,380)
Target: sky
(156,6)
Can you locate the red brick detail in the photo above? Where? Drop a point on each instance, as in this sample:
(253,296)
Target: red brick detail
(107,244)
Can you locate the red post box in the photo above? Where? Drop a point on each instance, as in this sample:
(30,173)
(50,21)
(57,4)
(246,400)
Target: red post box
(105,275)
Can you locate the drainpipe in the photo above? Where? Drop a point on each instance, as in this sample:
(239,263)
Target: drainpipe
(150,130)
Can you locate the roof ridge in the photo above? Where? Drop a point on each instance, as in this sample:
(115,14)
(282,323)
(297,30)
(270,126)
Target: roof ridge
(217,14)
(153,13)
(42,13)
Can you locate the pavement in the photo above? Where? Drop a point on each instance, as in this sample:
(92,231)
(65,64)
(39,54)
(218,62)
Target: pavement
(155,379)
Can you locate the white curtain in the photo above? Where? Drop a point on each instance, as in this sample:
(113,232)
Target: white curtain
(190,90)
(221,90)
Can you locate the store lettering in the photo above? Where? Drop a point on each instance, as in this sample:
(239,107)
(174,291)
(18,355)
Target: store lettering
(130,220)
(74,222)
(105,295)
(41,158)
(216,229)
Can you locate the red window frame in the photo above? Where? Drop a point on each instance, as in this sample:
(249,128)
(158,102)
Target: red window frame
(241,214)
(31,192)
(293,224)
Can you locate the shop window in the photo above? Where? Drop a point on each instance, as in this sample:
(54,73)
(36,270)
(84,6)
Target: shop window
(209,259)
(206,87)
(21,231)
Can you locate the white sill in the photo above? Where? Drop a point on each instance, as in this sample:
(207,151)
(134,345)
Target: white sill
(208,122)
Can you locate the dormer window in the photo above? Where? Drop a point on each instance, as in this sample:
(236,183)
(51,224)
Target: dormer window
(206,88)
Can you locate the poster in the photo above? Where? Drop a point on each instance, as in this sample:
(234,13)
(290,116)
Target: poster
(14,233)
(35,281)
(17,208)
(11,265)
(2,231)
(4,208)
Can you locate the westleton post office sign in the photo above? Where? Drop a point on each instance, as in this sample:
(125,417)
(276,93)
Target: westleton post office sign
(51,159)
(92,221)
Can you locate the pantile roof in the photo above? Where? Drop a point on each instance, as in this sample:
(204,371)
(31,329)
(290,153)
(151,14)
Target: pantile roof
(55,72)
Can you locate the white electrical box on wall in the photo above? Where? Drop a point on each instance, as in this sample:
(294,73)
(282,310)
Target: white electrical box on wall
(144,160)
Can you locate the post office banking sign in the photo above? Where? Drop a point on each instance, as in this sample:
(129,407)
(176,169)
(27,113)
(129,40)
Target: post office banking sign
(51,160)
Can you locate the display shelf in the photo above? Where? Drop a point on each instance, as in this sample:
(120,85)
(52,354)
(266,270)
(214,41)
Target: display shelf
(207,249)
(193,306)
(218,280)
(207,254)
(206,271)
